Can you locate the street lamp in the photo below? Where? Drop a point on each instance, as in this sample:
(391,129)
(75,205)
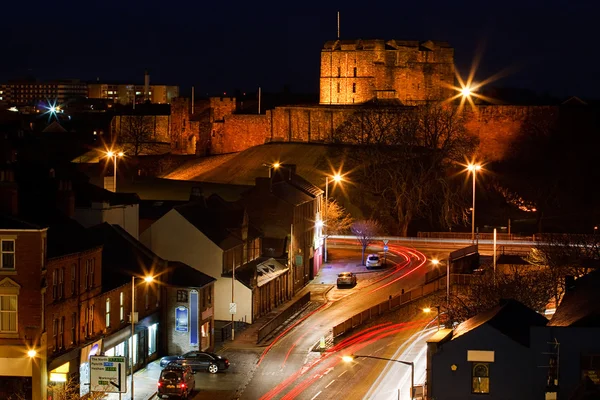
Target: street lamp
(436,262)
(337,178)
(147,279)
(113,154)
(427,310)
(352,357)
(473,168)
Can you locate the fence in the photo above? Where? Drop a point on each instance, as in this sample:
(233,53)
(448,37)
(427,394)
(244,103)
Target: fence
(226,329)
(389,305)
(276,322)
(479,236)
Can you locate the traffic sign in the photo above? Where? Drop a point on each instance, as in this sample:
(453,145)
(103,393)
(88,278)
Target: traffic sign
(385,248)
(232,308)
(107,374)
(385,241)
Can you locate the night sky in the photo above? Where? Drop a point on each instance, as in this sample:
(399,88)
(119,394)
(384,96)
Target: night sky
(549,46)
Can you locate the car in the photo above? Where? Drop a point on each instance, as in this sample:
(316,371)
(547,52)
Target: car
(373,261)
(175,381)
(198,361)
(346,279)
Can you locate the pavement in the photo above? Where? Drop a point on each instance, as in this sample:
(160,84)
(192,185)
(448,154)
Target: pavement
(244,351)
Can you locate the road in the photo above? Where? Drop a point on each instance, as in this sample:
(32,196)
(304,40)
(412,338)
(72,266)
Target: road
(290,367)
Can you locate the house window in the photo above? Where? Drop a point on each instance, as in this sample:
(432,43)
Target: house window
(61,283)
(8,313)
(55,333)
(73,327)
(121,307)
(87,272)
(61,333)
(7,248)
(54,284)
(107,313)
(92,267)
(73,275)
(91,320)
(481,378)
(182,296)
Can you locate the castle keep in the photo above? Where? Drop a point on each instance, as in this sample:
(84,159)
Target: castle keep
(357,71)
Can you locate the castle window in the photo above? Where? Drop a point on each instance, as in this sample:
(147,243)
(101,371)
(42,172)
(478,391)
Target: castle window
(354,88)
(338,87)
(339,71)
(355,72)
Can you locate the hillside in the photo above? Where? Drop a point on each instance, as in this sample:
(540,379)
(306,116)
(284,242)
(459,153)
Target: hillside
(243,167)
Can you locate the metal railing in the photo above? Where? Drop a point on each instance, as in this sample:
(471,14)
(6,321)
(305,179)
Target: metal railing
(277,321)
(226,329)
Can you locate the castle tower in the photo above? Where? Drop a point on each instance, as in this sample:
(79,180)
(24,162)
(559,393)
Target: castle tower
(357,71)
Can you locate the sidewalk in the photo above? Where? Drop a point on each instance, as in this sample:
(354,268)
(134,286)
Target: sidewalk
(144,381)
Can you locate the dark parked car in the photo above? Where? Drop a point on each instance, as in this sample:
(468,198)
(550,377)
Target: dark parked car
(199,361)
(175,381)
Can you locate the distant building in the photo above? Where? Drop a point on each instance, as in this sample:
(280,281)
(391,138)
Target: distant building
(127,93)
(58,92)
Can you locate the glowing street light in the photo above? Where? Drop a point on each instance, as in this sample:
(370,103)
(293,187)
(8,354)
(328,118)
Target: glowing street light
(114,155)
(352,357)
(336,178)
(427,310)
(473,168)
(31,353)
(147,279)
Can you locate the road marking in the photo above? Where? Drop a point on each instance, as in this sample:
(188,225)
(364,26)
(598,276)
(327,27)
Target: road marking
(315,396)
(342,373)
(329,384)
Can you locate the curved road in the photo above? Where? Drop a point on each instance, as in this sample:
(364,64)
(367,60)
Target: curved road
(290,369)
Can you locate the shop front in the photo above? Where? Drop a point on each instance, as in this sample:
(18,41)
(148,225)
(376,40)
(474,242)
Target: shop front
(139,351)
(92,349)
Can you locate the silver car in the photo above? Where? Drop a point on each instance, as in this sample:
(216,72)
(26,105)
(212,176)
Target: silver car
(346,279)
(373,261)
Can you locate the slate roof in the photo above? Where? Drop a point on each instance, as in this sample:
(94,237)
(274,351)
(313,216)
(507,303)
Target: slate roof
(124,256)
(511,318)
(12,222)
(219,220)
(181,274)
(290,194)
(580,306)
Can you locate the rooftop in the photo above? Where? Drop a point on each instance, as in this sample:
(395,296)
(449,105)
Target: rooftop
(580,305)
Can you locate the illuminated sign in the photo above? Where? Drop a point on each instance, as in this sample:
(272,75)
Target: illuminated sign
(181,319)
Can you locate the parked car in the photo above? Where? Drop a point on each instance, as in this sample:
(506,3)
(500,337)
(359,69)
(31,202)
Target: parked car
(198,361)
(373,261)
(175,381)
(346,279)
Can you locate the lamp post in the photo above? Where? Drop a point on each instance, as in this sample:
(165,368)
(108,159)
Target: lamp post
(147,279)
(427,310)
(113,154)
(352,357)
(473,168)
(336,179)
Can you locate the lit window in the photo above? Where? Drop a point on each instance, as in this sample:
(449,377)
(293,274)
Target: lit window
(121,308)
(481,378)
(7,248)
(8,313)
(107,313)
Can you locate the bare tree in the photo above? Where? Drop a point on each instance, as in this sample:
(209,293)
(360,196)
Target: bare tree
(337,219)
(566,255)
(405,159)
(365,231)
(66,391)
(529,285)
(136,135)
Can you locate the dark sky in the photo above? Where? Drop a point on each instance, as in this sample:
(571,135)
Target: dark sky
(548,46)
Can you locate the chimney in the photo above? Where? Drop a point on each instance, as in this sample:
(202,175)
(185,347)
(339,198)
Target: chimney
(147,86)
(65,198)
(9,192)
